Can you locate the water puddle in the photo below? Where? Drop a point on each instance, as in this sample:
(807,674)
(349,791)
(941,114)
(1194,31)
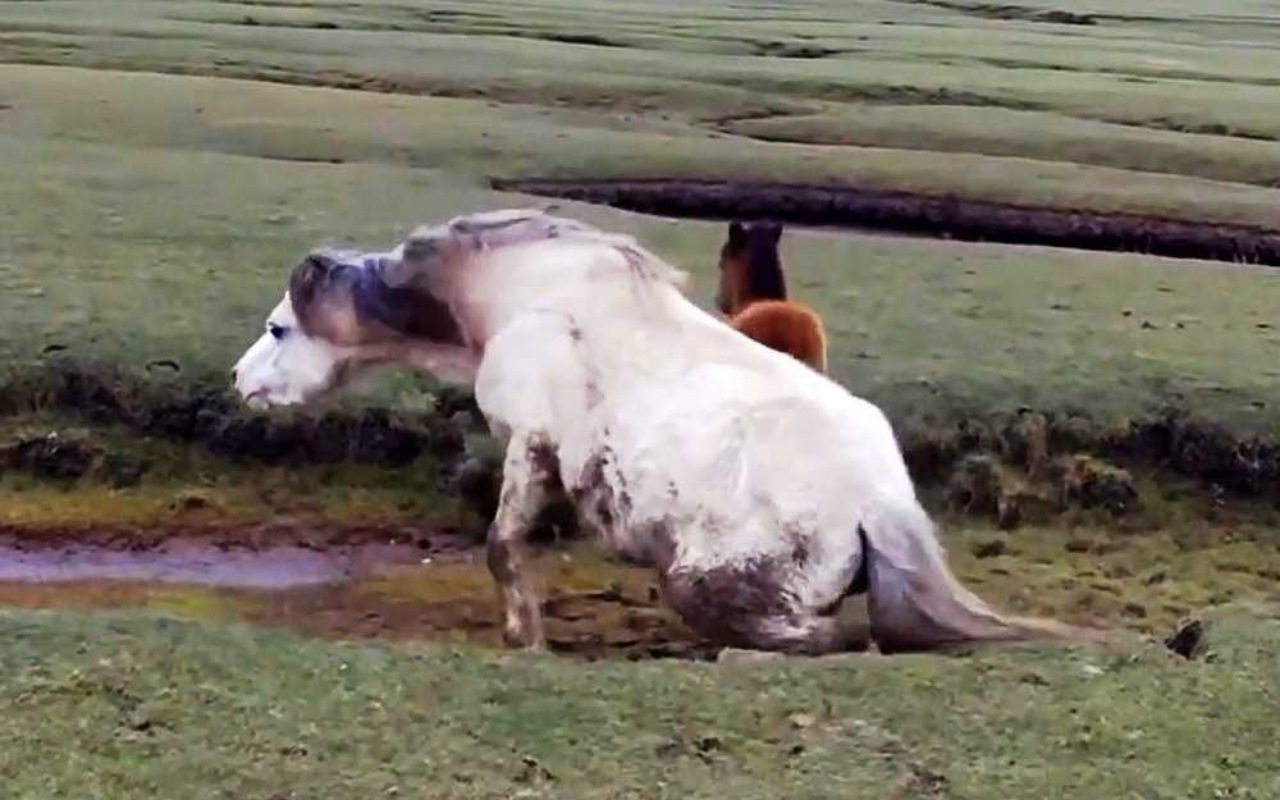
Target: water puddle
(594,608)
(272,567)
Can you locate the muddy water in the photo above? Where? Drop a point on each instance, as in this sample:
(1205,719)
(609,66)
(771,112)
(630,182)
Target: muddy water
(594,608)
(278,567)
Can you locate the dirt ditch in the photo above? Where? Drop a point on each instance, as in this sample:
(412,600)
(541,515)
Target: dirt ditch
(365,584)
(919,214)
(340,582)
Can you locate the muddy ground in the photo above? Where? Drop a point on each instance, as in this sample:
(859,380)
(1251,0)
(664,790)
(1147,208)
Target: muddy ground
(415,580)
(362,582)
(919,214)
(349,582)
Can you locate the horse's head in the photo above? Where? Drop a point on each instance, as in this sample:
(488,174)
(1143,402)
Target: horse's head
(344,313)
(750,268)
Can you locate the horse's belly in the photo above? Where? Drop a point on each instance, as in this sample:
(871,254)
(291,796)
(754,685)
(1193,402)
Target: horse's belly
(721,467)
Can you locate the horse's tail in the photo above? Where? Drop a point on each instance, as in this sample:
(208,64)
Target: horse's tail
(916,604)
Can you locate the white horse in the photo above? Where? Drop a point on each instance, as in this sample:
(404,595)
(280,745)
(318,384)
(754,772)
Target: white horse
(762,492)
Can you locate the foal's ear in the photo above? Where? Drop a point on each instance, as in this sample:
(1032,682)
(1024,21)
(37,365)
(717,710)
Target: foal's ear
(774,229)
(737,233)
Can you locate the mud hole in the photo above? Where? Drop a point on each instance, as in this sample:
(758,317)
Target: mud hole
(359,583)
(918,214)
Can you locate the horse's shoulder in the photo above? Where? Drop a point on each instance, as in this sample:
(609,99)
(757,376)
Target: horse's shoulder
(532,371)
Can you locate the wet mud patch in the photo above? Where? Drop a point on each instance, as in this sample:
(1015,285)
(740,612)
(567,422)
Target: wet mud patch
(592,610)
(945,217)
(352,584)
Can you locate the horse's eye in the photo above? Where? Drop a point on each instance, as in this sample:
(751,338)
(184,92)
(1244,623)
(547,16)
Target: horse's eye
(277,332)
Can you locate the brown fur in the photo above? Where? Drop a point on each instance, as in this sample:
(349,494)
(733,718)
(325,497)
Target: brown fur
(753,294)
(348,305)
(787,327)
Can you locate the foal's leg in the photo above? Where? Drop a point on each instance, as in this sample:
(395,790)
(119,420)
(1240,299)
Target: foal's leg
(528,474)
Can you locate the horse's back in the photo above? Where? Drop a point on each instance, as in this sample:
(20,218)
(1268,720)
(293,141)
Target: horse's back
(787,327)
(730,438)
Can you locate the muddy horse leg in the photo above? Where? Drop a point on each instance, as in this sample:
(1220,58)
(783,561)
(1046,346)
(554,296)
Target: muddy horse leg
(528,474)
(746,608)
(807,635)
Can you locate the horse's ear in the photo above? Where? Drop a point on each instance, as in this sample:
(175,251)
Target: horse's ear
(310,281)
(737,233)
(422,248)
(775,231)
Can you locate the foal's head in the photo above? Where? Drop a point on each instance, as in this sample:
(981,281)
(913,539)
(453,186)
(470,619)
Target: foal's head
(750,268)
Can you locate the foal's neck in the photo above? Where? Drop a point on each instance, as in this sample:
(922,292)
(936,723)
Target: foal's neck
(764,277)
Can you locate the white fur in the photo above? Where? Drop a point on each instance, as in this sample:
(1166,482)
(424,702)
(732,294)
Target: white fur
(294,369)
(741,452)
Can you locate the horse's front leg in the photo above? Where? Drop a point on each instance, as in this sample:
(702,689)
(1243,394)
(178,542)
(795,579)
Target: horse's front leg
(529,473)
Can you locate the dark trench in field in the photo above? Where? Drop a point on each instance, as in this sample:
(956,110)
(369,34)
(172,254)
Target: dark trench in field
(937,216)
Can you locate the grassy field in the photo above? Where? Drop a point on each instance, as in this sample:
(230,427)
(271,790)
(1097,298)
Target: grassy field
(163,230)
(657,95)
(166,162)
(133,707)
(151,195)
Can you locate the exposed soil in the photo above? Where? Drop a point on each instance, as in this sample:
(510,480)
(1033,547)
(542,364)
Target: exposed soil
(919,214)
(341,582)
(1013,12)
(196,411)
(622,619)
(1170,442)
(299,533)
(408,582)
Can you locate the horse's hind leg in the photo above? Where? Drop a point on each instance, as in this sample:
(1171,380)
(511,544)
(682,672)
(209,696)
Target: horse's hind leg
(529,474)
(812,635)
(745,607)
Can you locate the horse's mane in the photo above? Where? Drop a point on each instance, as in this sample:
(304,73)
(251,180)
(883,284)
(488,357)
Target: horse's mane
(487,230)
(764,271)
(393,287)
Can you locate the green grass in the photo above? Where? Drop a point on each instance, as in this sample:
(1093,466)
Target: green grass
(152,206)
(1039,135)
(165,246)
(153,216)
(138,706)
(633,71)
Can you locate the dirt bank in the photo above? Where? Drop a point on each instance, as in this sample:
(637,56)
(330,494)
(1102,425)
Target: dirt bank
(1164,442)
(919,214)
(202,409)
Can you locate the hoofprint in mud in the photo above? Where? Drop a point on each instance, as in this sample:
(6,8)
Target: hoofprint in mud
(762,492)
